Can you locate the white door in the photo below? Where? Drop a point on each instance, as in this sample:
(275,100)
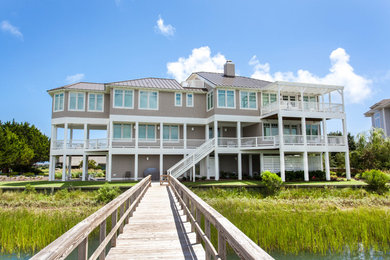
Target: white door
(211,167)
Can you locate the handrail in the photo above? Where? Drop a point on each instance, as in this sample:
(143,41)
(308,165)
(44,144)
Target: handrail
(194,207)
(77,237)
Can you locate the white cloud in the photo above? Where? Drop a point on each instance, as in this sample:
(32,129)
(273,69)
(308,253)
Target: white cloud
(199,60)
(7,27)
(356,87)
(74,78)
(166,30)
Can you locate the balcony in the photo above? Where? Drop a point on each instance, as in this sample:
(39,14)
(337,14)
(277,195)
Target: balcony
(307,106)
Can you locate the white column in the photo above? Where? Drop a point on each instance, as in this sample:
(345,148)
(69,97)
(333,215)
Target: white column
(185,135)
(161,164)
(305,166)
(207,134)
(51,168)
(321,160)
(63,167)
(345,134)
(85,167)
(111,133)
(281,150)
(238,134)
(303,127)
(327,166)
(69,167)
(65,135)
(161,138)
(216,158)
(342,99)
(261,162)
(250,165)
(109,166)
(136,135)
(193,173)
(85,137)
(71,136)
(239,165)
(282,166)
(136,166)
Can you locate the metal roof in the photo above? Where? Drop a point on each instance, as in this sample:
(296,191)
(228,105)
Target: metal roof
(83,86)
(384,103)
(218,79)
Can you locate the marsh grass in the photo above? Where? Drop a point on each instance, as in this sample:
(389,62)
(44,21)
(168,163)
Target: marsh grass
(30,221)
(319,221)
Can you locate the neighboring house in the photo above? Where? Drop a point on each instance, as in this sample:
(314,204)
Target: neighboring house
(380,115)
(219,122)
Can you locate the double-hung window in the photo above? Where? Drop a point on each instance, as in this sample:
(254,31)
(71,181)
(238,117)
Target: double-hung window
(147,132)
(210,100)
(190,100)
(312,129)
(377,120)
(178,99)
(95,102)
(226,98)
(148,100)
(76,101)
(268,98)
(271,129)
(123,98)
(122,131)
(171,133)
(59,102)
(248,100)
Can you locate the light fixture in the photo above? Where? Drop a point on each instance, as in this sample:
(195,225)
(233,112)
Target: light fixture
(225,129)
(192,128)
(158,127)
(147,158)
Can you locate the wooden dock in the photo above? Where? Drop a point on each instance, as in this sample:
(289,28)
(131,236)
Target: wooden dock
(158,229)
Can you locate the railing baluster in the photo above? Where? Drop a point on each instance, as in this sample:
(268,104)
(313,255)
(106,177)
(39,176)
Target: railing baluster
(221,246)
(127,206)
(199,220)
(114,218)
(82,250)
(102,236)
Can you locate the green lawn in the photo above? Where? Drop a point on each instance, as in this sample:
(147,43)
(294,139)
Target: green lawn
(256,183)
(65,184)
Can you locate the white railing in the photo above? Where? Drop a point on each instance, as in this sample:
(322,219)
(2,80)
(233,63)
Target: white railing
(58,144)
(336,140)
(228,142)
(193,158)
(308,106)
(123,143)
(293,139)
(315,140)
(194,143)
(258,141)
(97,144)
(75,144)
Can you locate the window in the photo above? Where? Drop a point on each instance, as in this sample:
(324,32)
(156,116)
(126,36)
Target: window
(178,99)
(147,132)
(248,100)
(377,120)
(312,129)
(148,100)
(95,102)
(310,102)
(171,132)
(210,100)
(290,129)
(59,102)
(76,101)
(226,98)
(268,98)
(122,131)
(123,98)
(190,100)
(271,129)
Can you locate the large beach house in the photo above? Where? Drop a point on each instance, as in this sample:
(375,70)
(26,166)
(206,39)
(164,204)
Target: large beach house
(211,125)
(380,115)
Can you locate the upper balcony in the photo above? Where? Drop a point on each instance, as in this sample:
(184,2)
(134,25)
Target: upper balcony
(289,97)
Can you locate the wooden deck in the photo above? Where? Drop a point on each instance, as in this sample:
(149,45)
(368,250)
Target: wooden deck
(158,229)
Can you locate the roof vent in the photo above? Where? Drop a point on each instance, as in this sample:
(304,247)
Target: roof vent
(228,68)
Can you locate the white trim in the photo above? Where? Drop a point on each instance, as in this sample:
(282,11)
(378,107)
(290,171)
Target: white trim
(95,110)
(192,95)
(234,98)
(63,101)
(77,93)
(121,126)
(146,133)
(178,133)
(248,108)
(212,92)
(181,99)
(139,100)
(123,98)
(384,121)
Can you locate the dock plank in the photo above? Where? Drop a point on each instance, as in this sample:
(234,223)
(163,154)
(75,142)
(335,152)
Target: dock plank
(158,229)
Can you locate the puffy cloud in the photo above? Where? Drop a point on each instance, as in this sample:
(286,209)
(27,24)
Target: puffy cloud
(199,60)
(356,87)
(166,30)
(74,78)
(7,27)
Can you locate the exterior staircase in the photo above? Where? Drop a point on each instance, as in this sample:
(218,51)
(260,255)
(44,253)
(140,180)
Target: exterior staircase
(193,158)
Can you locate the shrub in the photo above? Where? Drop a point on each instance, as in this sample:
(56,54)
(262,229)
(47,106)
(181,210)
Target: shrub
(76,175)
(29,174)
(58,175)
(107,193)
(203,178)
(61,194)
(376,181)
(271,181)
(29,189)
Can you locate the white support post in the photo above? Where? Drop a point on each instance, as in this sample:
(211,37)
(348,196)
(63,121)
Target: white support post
(85,167)
(161,164)
(136,135)
(136,166)
(85,136)
(65,136)
(305,166)
(281,148)
(69,167)
(282,166)
(216,158)
(206,132)
(71,137)
(250,165)
(342,99)
(345,134)
(111,133)
(238,134)
(261,162)
(302,102)
(185,135)
(239,164)
(63,167)
(109,166)
(321,160)
(303,127)
(50,167)
(207,135)
(327,166)
(193,173)
(161,138)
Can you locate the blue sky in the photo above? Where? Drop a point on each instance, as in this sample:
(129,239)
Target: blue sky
(45,44)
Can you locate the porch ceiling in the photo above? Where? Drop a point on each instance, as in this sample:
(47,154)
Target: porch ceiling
(307,88)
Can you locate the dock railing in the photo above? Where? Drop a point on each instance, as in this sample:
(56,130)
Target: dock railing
(195,208)
(119,210)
